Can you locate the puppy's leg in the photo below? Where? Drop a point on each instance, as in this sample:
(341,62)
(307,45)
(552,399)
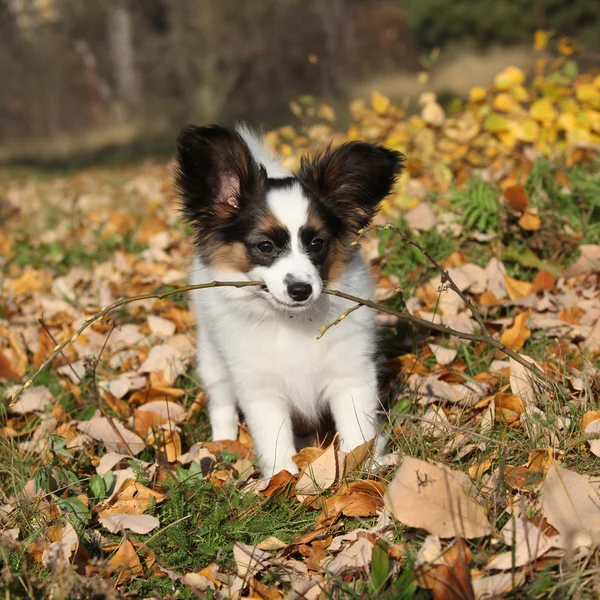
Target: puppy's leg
(217,383)
(354,405)
(271,427)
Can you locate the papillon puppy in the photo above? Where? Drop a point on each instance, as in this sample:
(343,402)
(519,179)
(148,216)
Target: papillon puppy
(258,351)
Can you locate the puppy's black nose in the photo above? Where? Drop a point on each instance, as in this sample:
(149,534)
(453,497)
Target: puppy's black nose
(299,291)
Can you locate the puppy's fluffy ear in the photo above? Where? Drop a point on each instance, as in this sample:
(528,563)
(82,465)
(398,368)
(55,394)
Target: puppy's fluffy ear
(352,180)
(215,173)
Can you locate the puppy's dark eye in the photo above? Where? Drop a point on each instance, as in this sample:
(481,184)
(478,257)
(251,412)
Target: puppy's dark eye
(266,247)
(317,245)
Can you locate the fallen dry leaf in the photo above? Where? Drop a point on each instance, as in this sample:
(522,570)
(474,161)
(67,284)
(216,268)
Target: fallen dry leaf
(443,356)
(570,504)
(141,524)
(121,440)
(449,575)
(433,498)
(125,563)
(515,336)
(320,474)
(527,543)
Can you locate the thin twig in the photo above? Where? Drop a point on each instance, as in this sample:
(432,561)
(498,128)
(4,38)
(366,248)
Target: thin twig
(402,315)
(122,302)
(408,318)
(338,320)
(445,275)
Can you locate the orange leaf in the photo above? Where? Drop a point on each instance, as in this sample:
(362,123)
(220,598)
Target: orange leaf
(514,337)
(516,289)
(517,197)
(543,281)
(125,562)
(509,407)
(530,222)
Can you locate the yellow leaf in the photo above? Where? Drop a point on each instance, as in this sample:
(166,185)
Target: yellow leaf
(514,337)
(379,102)
(530,222)
(504,103)
(423,77)
(476,94)
(566,121)
(540,39)
(495,123)
(565,46)
(509,78)
(516,289)
(520,94)
(525,131)
(543,110)
(588,93)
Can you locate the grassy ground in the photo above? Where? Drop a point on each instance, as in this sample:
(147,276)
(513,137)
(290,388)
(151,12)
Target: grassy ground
(74,243)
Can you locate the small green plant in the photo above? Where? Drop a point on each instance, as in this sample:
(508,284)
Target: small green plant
(479,205)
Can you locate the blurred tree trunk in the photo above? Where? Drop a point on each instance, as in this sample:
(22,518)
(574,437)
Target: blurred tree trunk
(120,39)
(180,60)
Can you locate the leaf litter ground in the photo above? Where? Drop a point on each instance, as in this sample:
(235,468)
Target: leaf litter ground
(491,484)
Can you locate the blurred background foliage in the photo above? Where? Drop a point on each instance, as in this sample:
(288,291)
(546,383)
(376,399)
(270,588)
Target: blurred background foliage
(85,76)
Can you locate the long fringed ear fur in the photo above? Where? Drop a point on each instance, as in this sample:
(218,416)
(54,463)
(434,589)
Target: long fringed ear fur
(352,180)
(215,173)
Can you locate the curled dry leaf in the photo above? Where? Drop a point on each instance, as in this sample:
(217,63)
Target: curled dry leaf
(449,575)
(358,555)
(421,218)
(434,498)
(320,474)
(133,498)
(125,563)
(515,337)
(59,552)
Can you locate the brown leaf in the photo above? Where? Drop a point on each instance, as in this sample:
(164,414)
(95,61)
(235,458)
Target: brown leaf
(451,579)
(280,482)
(125,563)
(543,281)
(433,498)
(232,446)
(316,555)
(509,408)
(516,197)
(134,499)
